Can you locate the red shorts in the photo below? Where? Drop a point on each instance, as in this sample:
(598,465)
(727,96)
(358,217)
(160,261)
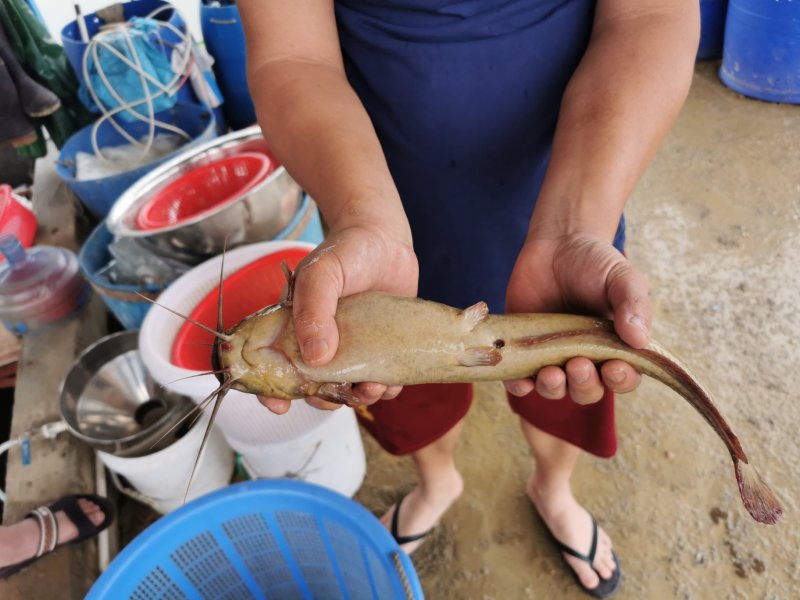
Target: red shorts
(421,414)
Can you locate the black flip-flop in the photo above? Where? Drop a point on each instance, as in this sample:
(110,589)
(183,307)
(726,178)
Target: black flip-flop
(404,539)
(48,526)
(607,587)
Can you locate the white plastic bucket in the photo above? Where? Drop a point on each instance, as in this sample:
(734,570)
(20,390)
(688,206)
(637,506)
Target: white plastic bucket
(164,475)
(322,447)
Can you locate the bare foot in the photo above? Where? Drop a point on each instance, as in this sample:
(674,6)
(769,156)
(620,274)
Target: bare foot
(571,524)
(423,507)
(18,542)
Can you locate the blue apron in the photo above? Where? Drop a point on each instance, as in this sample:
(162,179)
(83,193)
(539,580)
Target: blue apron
(464,97)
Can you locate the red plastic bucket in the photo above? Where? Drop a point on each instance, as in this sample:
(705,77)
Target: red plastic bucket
(16,218)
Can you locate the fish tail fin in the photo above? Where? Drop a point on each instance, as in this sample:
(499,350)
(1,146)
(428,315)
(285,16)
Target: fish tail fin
(757,497)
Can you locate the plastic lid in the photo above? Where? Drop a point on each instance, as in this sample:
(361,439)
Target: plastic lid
(37,280)
(204,188)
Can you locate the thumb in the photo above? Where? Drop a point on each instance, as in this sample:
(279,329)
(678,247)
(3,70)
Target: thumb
(629,296)
(316,297)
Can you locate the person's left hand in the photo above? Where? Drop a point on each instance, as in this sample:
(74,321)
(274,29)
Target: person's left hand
(584,274)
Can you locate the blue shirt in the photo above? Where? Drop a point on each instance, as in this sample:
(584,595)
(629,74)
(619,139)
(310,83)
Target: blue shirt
(464,96)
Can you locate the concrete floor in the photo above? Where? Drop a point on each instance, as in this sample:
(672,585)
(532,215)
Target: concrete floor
(714,225)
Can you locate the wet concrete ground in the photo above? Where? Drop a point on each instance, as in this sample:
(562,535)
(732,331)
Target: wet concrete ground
(715,224)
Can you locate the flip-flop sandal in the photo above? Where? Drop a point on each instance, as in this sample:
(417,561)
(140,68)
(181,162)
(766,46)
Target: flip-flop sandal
(48,526)
(607,587)
(404,539)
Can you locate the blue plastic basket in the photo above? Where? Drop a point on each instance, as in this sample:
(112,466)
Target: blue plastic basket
(263,539)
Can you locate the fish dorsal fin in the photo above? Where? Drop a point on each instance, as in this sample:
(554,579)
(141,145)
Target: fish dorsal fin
(473,315)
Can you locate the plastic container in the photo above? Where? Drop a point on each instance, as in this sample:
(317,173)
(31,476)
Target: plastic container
(263,539)
(322,447)
(224,39)
(761,51)
(16,217)
(123,300)
(100,194)
(163,476)
(712,28)
(204,188)
(75,46)
(39,286)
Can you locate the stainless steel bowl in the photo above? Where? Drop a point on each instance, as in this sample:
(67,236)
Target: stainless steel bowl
(111,402)
(258,215)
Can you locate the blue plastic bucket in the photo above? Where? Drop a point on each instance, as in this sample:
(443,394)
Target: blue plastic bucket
(761,52)
(712,28)
(122,300)
(263,539)
(75,47)
(224,38)
(100,194)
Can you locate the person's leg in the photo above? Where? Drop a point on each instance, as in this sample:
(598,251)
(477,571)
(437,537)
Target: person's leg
(549,490)
(440,485)
(19,542)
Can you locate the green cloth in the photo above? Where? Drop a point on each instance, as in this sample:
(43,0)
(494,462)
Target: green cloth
(44,59)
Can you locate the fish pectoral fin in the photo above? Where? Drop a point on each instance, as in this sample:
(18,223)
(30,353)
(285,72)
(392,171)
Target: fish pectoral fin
(481,356)
(473,315)
(338,393)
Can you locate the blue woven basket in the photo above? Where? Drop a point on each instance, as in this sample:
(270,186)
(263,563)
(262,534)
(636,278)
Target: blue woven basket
(263,539)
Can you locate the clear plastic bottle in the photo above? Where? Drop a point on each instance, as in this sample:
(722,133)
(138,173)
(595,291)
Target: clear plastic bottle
(38,286)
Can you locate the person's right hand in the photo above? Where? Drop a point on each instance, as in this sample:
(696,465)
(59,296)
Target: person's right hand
(354,259)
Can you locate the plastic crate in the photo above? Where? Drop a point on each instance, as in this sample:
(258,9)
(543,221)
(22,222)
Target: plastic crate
(263,539)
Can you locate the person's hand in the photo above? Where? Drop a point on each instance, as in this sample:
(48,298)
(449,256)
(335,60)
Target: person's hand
(349,261)
(581,273)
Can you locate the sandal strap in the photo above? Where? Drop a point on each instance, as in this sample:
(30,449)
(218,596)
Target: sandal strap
(588,558)
(403,539)
(69,505)
(48,530)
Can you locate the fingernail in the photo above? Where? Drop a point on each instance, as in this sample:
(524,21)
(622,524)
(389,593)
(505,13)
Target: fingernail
(517,389)
(314,349)
(639,322)
(615,375)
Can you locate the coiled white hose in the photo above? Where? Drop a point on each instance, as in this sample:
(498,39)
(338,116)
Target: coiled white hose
(182,73)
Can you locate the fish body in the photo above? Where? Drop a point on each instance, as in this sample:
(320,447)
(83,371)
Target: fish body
(397,340)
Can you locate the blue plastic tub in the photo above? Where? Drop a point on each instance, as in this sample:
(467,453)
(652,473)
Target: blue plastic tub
(75,47)
(263,539)
(122,300)
(712,28)
(224,38)
(100,194)
(761,51)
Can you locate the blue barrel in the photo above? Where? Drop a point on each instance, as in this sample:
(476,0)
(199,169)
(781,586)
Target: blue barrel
(224,38)
(100,194)
(712,28)
(263,539)
(761,51)
(122,300)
